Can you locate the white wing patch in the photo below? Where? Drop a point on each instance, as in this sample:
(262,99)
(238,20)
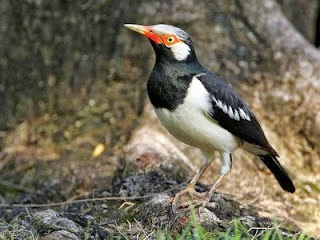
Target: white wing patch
(225,108)
(236,114)
(230,112)
(243,114)
(219,103)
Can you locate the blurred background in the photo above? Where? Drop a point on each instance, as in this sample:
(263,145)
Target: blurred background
(72,87)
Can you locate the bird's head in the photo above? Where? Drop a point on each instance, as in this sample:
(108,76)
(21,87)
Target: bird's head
(169,42)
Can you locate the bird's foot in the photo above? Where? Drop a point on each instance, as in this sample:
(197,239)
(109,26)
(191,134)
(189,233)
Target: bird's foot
(188,197)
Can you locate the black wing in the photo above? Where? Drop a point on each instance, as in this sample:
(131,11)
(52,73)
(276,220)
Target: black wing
(233,114)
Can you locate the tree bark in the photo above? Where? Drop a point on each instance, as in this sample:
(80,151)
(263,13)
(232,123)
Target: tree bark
(303,15)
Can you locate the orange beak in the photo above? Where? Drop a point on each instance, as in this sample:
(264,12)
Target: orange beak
(146,31)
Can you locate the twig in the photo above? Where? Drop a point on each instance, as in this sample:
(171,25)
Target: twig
(18,205)
(4,159)
(14,186)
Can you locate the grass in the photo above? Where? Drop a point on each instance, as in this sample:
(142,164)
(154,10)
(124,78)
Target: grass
(237,232)
(15,231)
(192,231)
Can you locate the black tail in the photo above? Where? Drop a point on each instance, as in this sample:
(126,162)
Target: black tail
(278,171)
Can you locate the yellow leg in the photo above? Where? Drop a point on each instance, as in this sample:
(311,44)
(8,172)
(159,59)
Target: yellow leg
(213,189)
(189,195)
(195,179)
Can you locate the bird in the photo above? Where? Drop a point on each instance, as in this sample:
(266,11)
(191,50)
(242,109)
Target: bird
(200,109)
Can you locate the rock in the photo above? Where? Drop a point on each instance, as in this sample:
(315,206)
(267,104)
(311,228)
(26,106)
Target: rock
(143,216)
(63,235)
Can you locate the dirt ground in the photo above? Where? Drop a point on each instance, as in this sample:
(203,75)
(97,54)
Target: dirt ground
(31,174)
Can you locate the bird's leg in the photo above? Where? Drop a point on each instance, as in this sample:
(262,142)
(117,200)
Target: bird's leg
(182,201)
(226,159)
(213,190)
(195,179)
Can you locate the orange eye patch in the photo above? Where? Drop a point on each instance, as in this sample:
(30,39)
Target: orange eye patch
(169,39)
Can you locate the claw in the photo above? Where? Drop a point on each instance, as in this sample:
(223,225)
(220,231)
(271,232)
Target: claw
(188,197)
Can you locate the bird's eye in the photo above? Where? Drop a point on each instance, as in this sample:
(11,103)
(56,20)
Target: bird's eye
(170,39)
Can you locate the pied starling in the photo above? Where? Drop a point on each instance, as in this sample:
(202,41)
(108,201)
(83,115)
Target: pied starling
(200,109)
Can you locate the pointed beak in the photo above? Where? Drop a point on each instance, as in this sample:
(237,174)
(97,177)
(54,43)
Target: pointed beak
(146,31)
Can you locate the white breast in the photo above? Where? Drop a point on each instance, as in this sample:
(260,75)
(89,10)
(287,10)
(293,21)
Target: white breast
(191,124)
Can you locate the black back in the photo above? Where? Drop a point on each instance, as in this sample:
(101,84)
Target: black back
(248,131)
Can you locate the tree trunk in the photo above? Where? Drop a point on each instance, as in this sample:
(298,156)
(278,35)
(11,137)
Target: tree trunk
(303,15)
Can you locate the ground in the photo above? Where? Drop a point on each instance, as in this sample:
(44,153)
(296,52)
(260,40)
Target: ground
(76,191)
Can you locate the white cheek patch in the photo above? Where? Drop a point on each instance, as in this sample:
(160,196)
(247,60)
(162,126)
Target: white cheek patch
(180,50)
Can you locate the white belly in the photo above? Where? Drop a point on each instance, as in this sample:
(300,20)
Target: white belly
(190,124)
